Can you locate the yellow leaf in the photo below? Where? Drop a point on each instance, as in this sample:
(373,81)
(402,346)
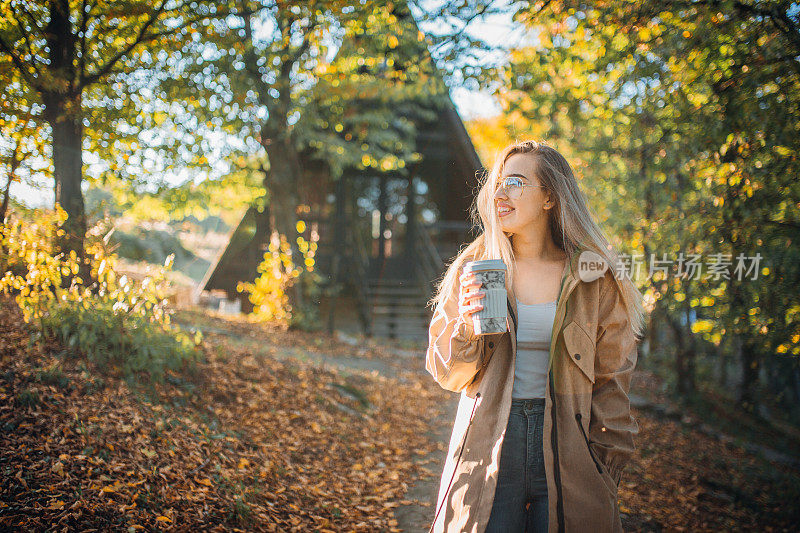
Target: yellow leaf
(205,481)
(58,468)
(163,519)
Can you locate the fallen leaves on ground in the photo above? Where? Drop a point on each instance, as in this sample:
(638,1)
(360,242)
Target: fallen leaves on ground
(248,443)
(681,479)
(256,443)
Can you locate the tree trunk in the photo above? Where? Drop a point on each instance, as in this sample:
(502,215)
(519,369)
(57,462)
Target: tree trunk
(4,210)
(7,193)
(411,227)
(253,252)
(652,335)
(68,171)
(63,113)
(337,250)
(751,366)
(735,357)
(282,180)
(684,356)
(796,385)
(750,355)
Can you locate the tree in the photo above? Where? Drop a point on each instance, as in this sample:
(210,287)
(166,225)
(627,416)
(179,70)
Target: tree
(338,84)
(21,139)
(66,55)
(686,114)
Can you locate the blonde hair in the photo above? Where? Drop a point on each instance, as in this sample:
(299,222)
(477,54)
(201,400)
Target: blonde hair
(572,227)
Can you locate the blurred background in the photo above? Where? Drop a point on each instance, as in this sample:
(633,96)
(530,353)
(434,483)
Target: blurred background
(308,167)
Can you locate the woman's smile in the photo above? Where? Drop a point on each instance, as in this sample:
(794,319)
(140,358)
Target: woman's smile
(504,210)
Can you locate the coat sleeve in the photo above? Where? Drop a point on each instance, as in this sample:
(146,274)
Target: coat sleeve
(453,354)
(612,426)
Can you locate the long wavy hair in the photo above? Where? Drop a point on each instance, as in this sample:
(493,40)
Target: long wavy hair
(571,224)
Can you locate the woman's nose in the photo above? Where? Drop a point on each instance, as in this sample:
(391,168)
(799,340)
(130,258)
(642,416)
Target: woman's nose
(500,193)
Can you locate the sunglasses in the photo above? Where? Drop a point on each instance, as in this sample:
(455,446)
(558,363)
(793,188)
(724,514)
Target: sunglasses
(513,186)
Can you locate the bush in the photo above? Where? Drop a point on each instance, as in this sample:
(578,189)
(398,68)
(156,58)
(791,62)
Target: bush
(307,317)
(278,273)
(116,323)
(112,339)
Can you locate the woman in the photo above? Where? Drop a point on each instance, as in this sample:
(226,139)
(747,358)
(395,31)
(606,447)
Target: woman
(544,427)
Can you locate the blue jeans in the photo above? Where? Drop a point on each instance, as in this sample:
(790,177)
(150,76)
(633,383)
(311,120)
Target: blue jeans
(520,500)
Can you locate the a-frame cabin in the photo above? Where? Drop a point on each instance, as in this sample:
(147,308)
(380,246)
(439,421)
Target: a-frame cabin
(383,237)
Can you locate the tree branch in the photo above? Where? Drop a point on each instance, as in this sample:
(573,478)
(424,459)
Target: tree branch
(33,20)
(143,39)
(21,66)
(104,70)
(25,36)
(251,59)
(452,39)
(82,25)
(784,224)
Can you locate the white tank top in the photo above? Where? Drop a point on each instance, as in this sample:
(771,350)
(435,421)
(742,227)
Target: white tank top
(534,333)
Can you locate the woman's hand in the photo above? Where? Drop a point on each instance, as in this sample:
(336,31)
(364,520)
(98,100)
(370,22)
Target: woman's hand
(469,297)
(455,353)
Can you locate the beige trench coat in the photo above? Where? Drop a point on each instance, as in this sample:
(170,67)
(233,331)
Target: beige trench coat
(588,427)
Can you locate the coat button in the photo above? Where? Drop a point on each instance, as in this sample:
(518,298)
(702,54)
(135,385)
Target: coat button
(491,344)
(578,356)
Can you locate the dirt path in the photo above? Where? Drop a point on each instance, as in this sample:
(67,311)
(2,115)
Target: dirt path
(418,509)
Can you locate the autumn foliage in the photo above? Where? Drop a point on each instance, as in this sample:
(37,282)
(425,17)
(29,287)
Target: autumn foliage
(121,325)
(249,442)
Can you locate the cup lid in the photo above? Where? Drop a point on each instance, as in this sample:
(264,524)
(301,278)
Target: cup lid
(485,264)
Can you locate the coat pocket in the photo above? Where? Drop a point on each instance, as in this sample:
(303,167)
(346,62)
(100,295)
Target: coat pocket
(601,468)
(580,348)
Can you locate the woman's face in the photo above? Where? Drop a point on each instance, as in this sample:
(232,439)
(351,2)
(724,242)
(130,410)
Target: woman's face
(530,210)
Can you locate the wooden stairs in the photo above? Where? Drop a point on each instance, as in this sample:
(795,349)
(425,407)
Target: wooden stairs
(397,308)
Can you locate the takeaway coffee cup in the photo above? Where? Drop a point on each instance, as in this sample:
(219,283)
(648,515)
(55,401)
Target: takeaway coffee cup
(491,274)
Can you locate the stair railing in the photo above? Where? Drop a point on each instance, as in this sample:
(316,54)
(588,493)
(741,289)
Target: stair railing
(430,262)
